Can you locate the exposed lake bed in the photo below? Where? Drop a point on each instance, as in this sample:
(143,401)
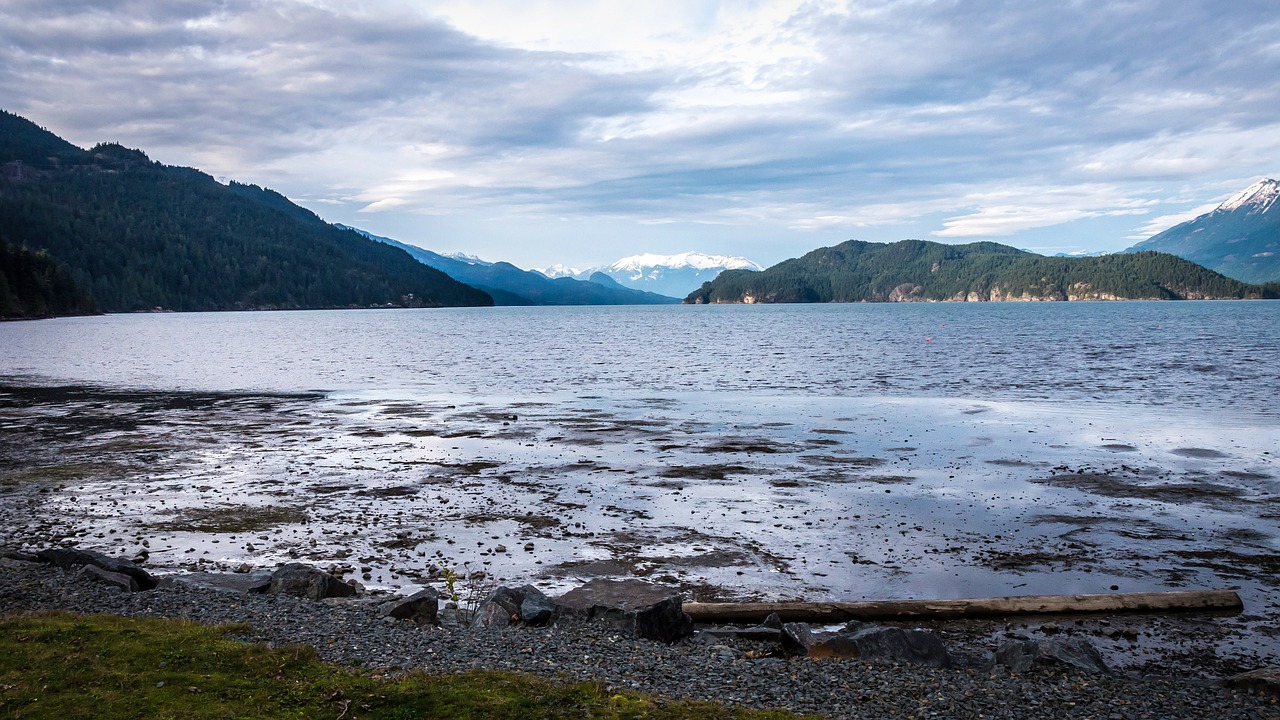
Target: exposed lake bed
(743,498)
(738,453)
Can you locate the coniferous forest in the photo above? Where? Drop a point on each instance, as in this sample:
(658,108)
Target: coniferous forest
(917,270)
(132,234)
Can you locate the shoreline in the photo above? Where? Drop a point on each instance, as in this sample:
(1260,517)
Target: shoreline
(725,670)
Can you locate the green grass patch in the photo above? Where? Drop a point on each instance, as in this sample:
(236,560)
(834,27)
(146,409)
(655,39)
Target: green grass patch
(231,519)
(65,666)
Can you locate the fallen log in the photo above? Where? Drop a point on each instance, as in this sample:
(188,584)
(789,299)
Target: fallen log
(833,612)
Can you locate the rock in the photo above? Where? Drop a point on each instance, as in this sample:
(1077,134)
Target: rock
(1264,681)
(493,615)
(68,558)
(885,644)
(106,577)
(757,634)
(796,638)
(772,621)
(536,608)
(1022,655)
(255,582)
(422,608)
(508,598)
(635,607)
(301,580)
(19,556)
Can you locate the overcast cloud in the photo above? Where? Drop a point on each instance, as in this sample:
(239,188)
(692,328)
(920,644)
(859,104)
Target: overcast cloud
(579,132)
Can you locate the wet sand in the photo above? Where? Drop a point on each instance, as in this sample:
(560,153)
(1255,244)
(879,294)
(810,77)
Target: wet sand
(726,496)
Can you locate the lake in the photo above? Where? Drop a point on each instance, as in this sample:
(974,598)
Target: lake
(792,451)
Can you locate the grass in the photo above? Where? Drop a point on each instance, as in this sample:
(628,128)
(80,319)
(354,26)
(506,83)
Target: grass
(231,519)
(65,666)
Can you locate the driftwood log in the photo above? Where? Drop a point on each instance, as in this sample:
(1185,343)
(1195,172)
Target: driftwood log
(833,612)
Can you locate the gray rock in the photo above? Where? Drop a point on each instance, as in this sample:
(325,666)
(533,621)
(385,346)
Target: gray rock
(757,634)
(493,615)
(633,606)
(1023,655)
(796,638)
(1264,681)
(508,598)
(106,577)
(68,558)
(535,607)
(421,608)
(885,644)
(772,621)
(17,555)
(301,580)
(256,582)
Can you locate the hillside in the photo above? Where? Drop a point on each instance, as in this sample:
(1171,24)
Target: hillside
(1240,238)
(32,285)
(915,270)
(138,235)
(509,285)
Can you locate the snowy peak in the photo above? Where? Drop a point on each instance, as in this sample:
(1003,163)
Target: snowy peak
(559,271)
(1257,198)
(468,259)
(692,260)
(670,275)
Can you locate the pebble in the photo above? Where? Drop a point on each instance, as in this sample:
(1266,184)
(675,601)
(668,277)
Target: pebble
(352,633)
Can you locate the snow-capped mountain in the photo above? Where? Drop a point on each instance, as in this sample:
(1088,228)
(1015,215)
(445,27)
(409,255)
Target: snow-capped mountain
(1240,238)
(672,275)
(559,271)
(468,259)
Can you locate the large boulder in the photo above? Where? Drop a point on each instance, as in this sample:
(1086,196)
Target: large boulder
(633,606)
(884,644)
(796,637)
(68,558)
(302,580)
(1023,655)
(1264,681)
(535,607)
(421,608)
(106,577)
(257,581)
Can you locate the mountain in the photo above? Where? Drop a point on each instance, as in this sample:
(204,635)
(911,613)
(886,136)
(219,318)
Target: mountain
(509,285)
(1240,238)
(139,235)
(674,275)
(915,270)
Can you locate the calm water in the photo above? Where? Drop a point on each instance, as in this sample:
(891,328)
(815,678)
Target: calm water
(1212,356)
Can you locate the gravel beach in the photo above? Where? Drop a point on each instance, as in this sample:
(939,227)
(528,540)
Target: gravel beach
(353,633)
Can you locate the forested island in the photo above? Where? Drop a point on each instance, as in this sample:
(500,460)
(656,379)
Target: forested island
(132,234)
(921,271)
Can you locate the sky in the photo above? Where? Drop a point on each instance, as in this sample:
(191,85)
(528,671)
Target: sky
(578,131)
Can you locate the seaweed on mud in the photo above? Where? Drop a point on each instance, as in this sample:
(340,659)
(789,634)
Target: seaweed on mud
(1115,486)
(388,492)
(231,519)
(845,461)
(746,445)
(719,471)
(1231,564)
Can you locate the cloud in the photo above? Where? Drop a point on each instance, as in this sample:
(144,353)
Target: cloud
(992,118)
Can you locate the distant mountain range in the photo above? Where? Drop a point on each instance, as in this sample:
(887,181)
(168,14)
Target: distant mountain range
(509,285)
(1240,238)
(135,235)
(675,275)
(915,271)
